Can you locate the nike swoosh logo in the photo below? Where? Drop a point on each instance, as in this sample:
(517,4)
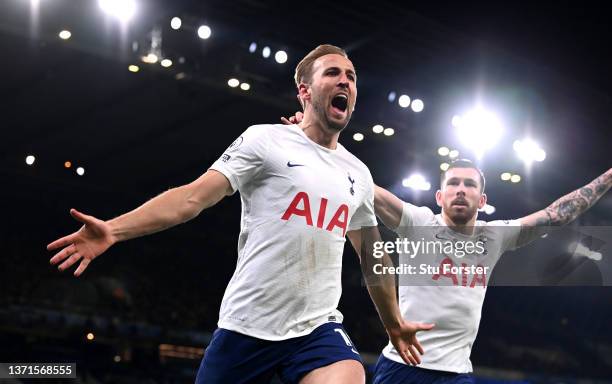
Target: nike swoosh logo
(290,164)
(437,235)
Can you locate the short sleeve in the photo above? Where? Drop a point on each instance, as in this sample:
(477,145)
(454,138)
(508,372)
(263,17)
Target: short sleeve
(413,216)
(244,158)
(365,216)
(508,232)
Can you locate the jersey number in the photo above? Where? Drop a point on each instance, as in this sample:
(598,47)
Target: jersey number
(346,339)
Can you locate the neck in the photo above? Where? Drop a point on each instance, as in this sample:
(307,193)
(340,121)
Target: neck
(466,229)
(319,132)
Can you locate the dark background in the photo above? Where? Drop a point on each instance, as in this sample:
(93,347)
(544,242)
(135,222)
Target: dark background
(543,68)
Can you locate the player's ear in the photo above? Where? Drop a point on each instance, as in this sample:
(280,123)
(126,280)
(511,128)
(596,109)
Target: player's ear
(482,201)
(439,198)
(304,92)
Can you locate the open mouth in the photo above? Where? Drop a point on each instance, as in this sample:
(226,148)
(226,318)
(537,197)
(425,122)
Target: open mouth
(340,102)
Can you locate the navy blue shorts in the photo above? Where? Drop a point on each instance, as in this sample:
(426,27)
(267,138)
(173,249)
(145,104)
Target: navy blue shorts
(389,372)
(235,358)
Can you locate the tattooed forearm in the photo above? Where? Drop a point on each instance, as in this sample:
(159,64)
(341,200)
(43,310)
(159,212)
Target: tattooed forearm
(572,205)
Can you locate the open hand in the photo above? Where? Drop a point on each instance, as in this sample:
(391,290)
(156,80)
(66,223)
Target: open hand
(405,342)
(91,240)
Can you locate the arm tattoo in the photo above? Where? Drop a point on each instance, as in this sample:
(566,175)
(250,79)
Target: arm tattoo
(572,205)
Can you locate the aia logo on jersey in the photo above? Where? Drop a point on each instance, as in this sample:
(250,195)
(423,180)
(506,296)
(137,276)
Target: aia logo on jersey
(478,278)
(300,206)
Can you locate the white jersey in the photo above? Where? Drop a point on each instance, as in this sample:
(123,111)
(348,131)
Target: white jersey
(452,302)
(298,201)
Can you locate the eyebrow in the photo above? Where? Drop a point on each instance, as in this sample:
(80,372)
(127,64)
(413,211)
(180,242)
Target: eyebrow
(349,71)
(466,179)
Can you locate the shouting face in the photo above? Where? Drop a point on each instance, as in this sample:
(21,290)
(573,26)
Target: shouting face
(332,91)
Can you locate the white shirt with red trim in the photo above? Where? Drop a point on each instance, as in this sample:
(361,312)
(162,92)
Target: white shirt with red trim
(298,201)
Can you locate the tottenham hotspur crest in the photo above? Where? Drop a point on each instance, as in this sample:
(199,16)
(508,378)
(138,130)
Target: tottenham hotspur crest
(352,181)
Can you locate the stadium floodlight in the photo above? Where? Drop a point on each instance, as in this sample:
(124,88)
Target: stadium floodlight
(65,34)
(417,105)
(121,9)
(358,136)
(253,47)
(444,167)
(265,52)
(245,86)
(150,58)
(378,128)
(506,176)
(529,151)
(391,96)
(233,82)
(80,171)
(166,63)
(416,182)
(443,151)
(388,131)
(488,209)
(176,23)
(30,159)
(479,130)
(204,32)
(404,101)
(280,57)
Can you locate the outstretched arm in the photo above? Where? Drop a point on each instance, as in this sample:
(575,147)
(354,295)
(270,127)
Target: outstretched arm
(381,287)
(567,208)
(388,207)
(168,209)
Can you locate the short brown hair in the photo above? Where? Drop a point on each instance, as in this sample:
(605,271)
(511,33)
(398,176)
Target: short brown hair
(303,71)
(464,163)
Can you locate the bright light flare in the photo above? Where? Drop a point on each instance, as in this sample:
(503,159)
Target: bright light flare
(529,151)
(358,136)
(123,10)
(479,130)
(416,182)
